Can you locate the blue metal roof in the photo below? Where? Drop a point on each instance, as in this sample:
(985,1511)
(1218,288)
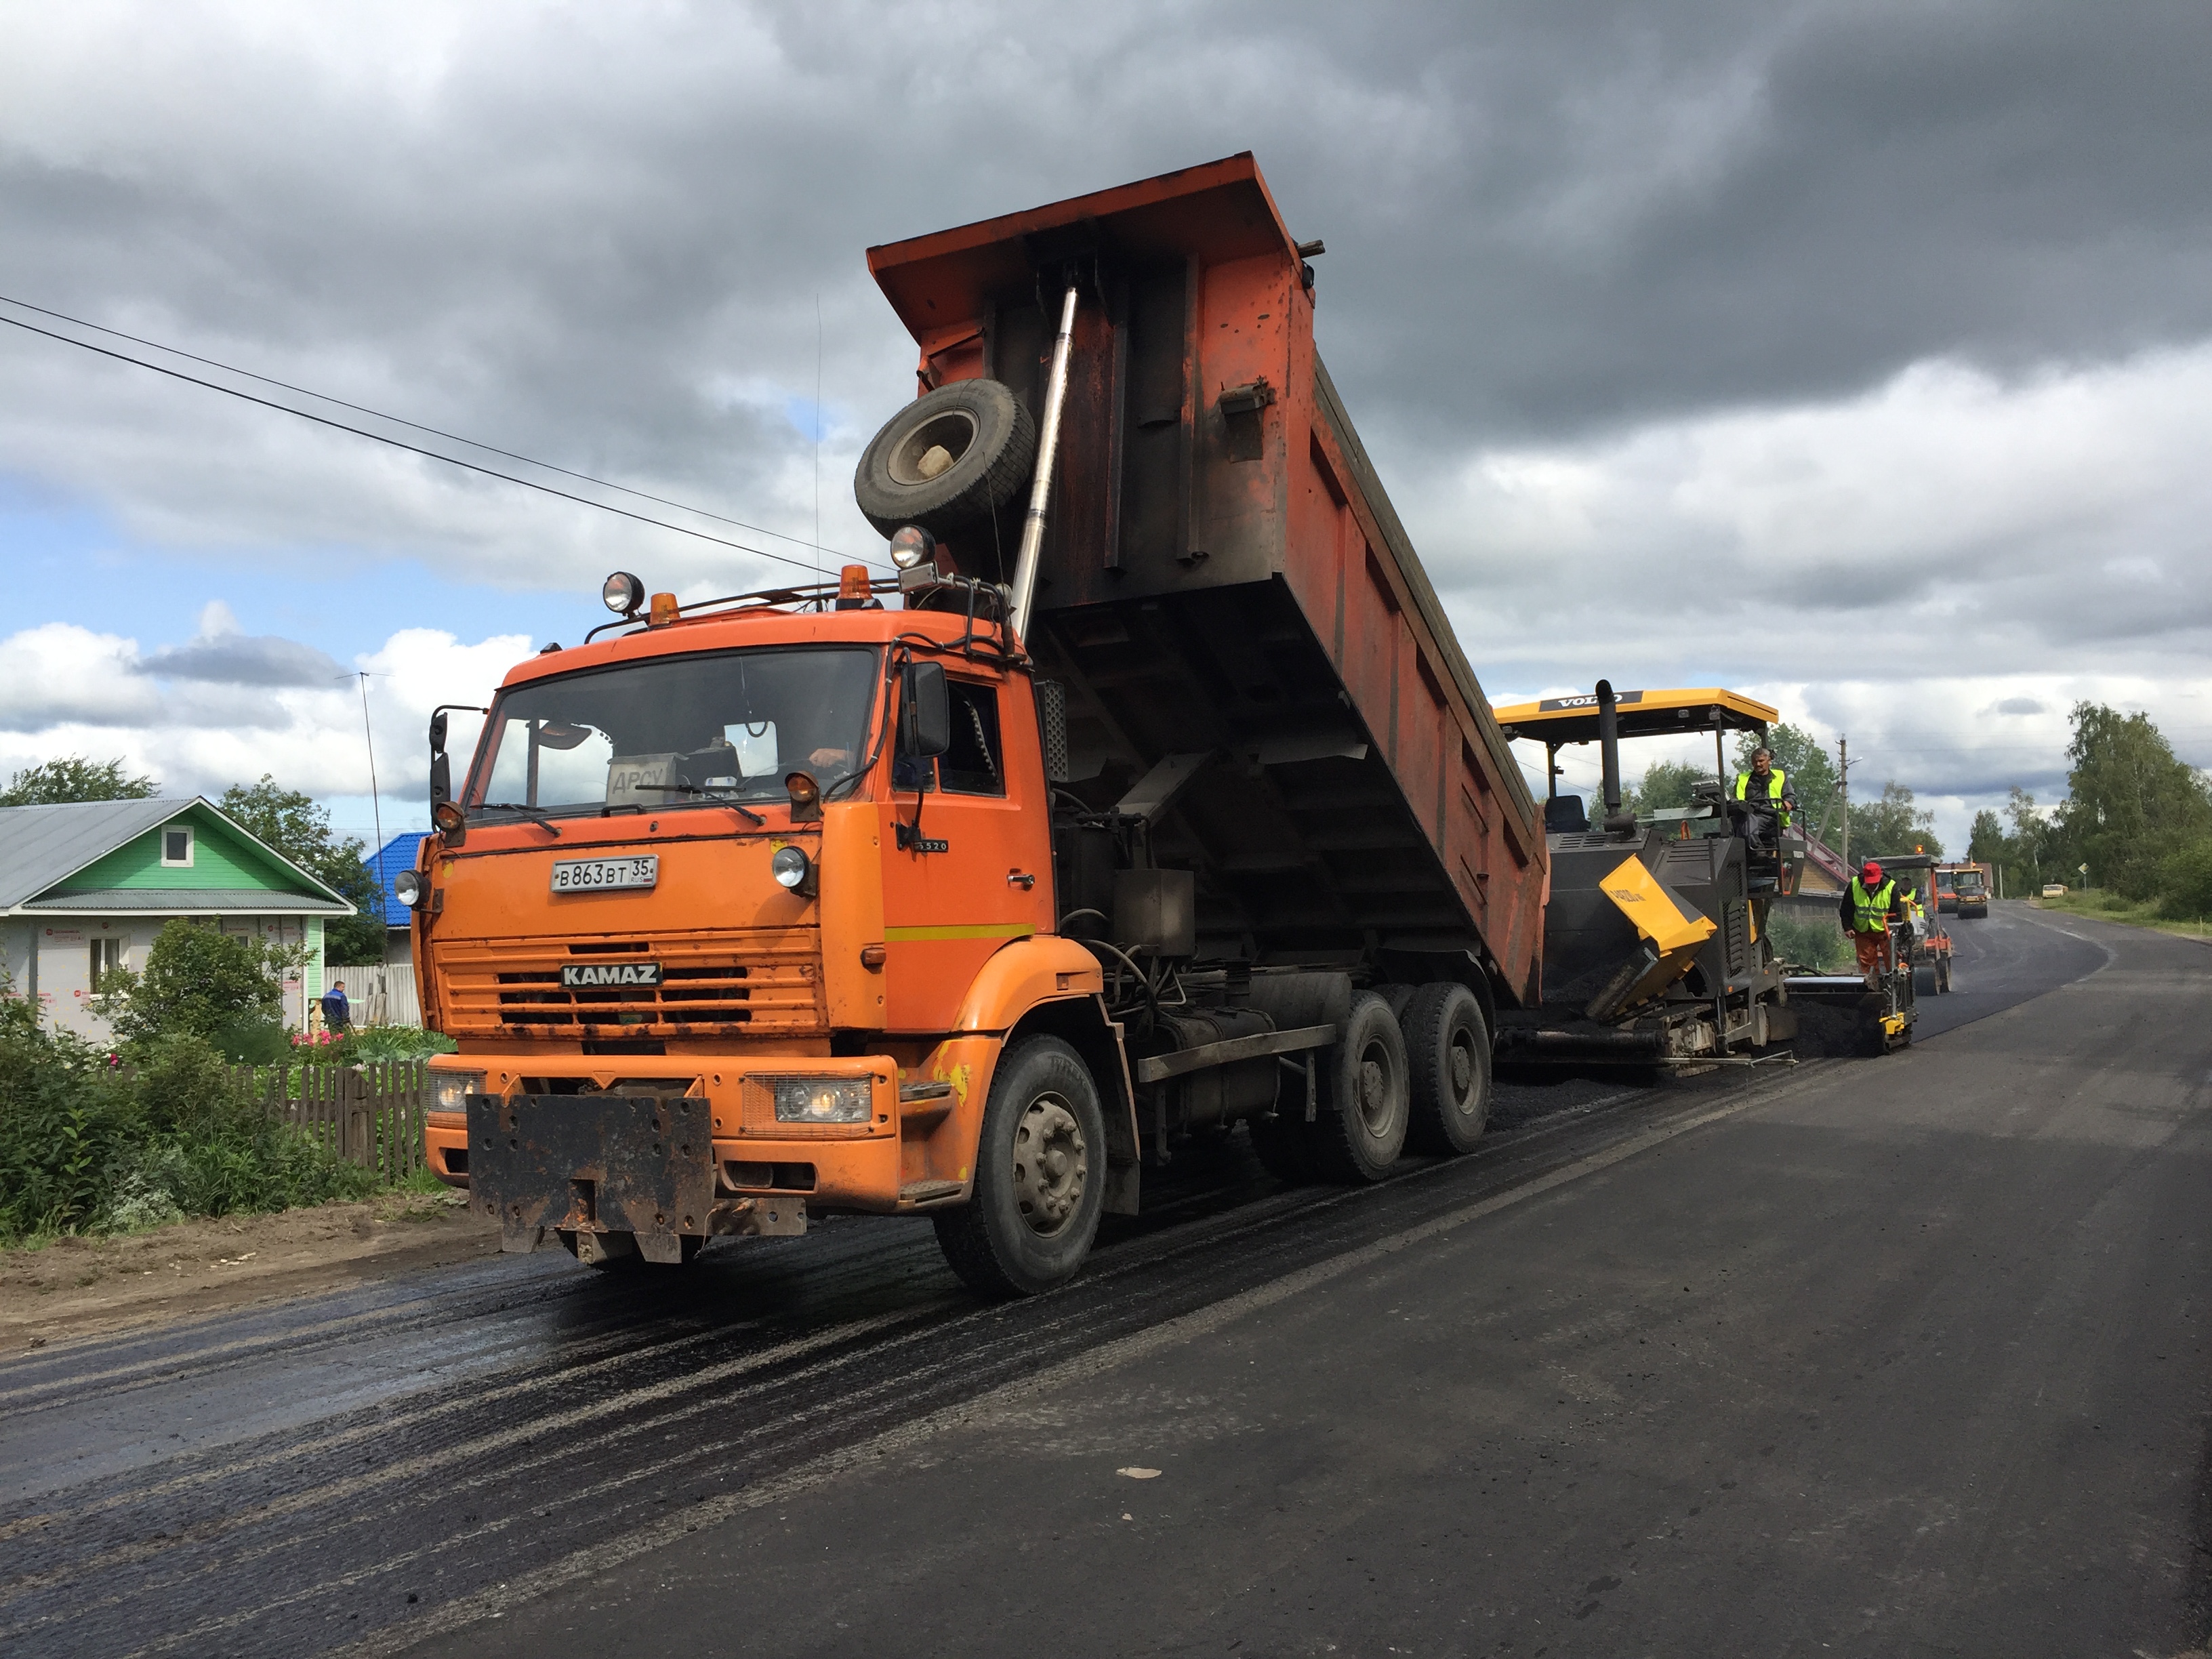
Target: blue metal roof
(397,854)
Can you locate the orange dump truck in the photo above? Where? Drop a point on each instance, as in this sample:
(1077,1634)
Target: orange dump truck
(1151,796)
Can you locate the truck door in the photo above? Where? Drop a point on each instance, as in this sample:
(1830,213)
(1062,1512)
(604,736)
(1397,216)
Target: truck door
(967,854)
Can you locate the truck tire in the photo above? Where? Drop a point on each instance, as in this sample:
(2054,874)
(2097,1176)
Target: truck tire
(949,459)
(1040,1175)
(1447,1069)
(1361,1128)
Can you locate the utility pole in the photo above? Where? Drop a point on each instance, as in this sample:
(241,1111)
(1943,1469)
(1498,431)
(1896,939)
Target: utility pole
(1844,793)
(375,807)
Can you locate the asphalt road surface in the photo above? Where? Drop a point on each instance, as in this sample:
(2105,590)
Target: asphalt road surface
(1897,1356)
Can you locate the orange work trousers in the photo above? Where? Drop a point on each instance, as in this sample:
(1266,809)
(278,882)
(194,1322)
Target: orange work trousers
(1871,952)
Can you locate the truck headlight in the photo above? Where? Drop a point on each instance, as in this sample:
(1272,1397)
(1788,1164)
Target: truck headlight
(792,868)
(821,1099)
(448,1088)
(407,888)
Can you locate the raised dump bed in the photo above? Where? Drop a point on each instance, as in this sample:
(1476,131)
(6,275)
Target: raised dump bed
(1257,668)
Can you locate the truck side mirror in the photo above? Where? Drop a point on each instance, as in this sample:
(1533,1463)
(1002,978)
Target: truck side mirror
(441,772)
(926,720)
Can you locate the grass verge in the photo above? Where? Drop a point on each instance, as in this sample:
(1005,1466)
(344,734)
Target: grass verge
(2111,907)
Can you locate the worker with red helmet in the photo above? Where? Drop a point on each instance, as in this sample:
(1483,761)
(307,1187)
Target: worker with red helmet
(1868,905)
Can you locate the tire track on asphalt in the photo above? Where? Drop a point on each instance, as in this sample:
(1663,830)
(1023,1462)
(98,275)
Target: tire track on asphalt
(261,1568)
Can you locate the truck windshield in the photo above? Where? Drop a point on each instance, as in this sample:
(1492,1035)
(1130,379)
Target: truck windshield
(677,731)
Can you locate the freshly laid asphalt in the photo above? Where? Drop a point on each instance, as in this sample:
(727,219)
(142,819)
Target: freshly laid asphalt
(1894,1356)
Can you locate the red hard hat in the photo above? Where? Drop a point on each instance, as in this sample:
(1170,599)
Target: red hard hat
(1871,870)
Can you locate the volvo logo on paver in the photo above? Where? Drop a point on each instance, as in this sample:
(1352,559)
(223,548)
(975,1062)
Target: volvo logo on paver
(590,976)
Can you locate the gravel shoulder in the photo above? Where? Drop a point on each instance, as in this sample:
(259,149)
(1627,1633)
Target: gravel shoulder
(78,1287)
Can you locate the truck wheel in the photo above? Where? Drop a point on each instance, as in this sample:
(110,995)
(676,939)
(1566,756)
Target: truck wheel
(1040,1177)
(1448,1068)
(1361,1129)
(951,457)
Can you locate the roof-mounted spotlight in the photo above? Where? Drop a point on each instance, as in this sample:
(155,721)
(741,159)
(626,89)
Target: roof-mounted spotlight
(623,593)
(912,547)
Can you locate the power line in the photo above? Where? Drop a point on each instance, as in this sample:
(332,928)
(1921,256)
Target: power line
(438,432)
(427,454)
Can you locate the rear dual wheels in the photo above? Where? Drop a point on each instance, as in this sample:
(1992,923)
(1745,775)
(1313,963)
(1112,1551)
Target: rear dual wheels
(1448,1067)
(1412,1072)
(1040,1175)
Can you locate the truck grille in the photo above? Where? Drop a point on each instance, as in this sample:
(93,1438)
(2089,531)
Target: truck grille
(712,985)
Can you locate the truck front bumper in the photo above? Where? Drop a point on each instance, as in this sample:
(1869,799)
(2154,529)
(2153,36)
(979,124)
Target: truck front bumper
(671,1147)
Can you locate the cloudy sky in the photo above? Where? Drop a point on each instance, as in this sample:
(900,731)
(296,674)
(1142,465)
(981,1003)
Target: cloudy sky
(1856,356)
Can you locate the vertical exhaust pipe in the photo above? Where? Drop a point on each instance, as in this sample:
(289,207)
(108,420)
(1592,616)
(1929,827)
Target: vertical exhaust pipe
(1608,744)
(1055,396)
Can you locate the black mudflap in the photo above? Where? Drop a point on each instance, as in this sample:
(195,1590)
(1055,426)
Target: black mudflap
(616,1163)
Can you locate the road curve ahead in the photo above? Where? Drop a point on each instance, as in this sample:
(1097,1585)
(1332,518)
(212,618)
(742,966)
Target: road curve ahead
(1878,1357)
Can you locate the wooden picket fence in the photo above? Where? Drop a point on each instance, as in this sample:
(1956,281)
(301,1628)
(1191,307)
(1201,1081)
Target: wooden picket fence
(370,1115)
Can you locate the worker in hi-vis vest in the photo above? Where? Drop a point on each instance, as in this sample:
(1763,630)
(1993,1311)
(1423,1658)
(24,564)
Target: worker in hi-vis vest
(1765,797)
(1870,904)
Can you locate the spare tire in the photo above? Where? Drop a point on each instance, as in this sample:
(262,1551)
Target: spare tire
(949,459)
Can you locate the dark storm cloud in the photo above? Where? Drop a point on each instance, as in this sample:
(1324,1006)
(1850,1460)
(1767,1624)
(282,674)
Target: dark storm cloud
(1543,217)
(605,236)
(242,660)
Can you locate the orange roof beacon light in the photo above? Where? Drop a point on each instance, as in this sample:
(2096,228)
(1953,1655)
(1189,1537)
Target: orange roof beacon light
(664,611)
(853,588)
(623,593)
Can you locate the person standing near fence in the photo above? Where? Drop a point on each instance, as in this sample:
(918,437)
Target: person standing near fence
(337,1013)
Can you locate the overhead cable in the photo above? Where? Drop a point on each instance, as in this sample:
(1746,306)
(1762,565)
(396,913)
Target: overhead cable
(417,449)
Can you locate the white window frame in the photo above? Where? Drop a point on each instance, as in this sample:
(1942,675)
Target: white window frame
(191,845)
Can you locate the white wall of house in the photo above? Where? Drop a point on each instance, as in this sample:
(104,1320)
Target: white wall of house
(64,949)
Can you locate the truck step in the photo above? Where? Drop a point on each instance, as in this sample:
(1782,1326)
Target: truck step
(929,1192)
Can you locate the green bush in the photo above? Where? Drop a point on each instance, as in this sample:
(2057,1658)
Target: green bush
(86,1146)
(2184,882)
(371,1044)
(198,981)
(65,1123)
(252,1042)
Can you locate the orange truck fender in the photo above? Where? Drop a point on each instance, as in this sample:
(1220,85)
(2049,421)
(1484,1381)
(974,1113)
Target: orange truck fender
(1051,986)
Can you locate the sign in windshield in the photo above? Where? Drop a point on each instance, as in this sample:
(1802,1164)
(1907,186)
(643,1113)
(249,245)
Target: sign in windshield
(677,731)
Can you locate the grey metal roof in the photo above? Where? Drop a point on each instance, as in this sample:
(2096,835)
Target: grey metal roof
(42,845)
(189,901)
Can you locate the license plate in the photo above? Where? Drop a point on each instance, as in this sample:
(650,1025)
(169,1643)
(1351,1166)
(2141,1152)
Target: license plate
(600,875)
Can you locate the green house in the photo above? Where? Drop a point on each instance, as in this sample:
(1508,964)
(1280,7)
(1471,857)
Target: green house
(85,887)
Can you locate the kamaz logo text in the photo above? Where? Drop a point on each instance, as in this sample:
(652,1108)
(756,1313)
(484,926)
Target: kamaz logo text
(584,975)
